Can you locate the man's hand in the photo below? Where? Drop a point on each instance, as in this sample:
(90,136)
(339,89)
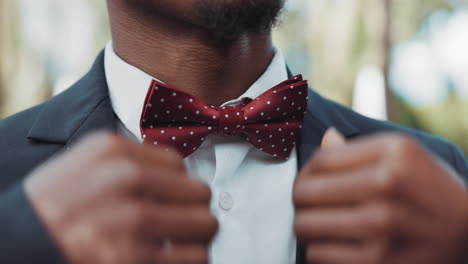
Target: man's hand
(382,199)
(110,200)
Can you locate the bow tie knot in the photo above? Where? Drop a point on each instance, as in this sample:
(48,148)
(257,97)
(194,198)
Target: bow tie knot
(231,119)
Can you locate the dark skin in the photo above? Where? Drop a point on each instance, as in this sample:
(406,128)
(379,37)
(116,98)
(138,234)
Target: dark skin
(381,199)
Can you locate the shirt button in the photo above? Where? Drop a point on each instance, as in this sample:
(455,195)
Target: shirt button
(225,201)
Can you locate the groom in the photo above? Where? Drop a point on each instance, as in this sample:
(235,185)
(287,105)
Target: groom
(190,142)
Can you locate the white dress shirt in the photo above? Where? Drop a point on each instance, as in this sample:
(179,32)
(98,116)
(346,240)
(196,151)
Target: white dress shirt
(251,190)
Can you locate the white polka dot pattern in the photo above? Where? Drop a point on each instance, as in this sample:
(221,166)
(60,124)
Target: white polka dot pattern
(271,122)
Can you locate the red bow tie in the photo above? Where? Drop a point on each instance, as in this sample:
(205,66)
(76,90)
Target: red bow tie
(271,122)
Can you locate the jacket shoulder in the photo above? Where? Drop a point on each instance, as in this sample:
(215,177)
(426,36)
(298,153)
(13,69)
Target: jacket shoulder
(18,125)
(20,154)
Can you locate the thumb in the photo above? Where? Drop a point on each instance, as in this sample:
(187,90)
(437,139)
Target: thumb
(332,138)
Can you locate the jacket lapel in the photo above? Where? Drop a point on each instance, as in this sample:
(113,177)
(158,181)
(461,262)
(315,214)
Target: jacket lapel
(321,115)
(83,108)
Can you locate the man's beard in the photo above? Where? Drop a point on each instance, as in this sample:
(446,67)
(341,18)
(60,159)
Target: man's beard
(224,19)
(228,20)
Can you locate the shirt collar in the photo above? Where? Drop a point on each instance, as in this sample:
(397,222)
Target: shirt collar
(128,86)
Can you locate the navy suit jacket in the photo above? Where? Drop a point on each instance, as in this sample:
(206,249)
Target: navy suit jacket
(29,138)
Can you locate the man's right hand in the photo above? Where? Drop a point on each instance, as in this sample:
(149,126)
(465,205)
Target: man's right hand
(109,200)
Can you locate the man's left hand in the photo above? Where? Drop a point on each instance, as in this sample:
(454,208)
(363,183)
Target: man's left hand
(380,199)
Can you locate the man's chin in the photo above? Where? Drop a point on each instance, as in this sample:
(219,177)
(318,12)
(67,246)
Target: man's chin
(230,19)
(225,19)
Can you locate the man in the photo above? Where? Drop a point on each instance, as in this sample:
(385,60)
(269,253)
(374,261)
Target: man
(215,180)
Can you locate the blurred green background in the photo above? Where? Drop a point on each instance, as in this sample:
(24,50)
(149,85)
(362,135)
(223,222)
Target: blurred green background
(401,60)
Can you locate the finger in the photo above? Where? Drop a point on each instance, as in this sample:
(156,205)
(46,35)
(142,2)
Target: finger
(154,156)
(347,253)
(332,138)
(167,253)
(160,175)
(178,224)
(338,188)
(160,184)
(175,253)
(355,153)
(164,187)
(349,223)
(415,254)
(163,176)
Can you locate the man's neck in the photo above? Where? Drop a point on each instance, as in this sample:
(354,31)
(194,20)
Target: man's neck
(188,58)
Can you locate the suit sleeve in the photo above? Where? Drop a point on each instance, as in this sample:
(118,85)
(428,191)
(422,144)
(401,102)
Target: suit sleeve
(23,238)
